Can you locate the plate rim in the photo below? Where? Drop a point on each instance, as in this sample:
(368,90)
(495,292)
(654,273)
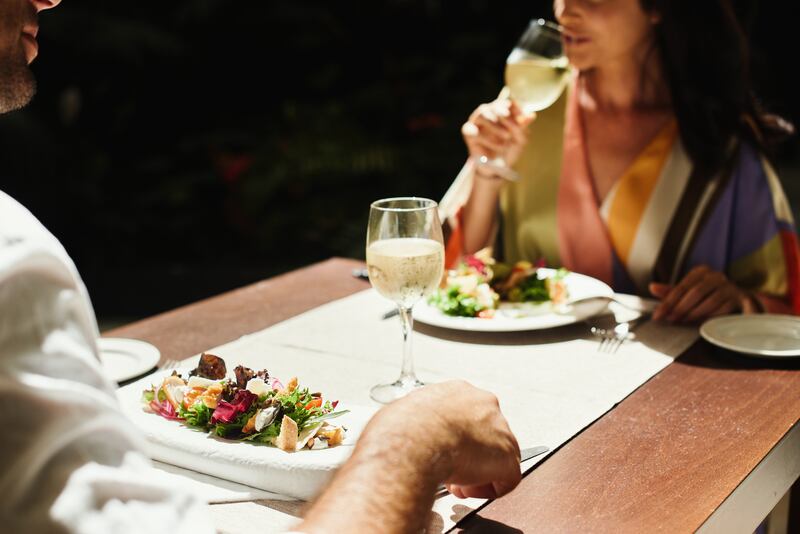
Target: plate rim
(511,326)
(763,353)
(149,355)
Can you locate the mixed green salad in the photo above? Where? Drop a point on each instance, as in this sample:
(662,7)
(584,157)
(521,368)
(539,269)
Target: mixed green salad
(479,284)
(252,406)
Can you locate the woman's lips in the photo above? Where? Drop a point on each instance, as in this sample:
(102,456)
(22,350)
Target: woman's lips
(574,40)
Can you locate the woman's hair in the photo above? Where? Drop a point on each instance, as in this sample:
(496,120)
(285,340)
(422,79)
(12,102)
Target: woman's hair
(706,62)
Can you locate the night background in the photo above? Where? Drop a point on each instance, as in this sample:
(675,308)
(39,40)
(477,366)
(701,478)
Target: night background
(181,149)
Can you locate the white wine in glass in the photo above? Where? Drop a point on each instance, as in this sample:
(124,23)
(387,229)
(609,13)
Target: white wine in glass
(536,73)
(405,260)
(535,82)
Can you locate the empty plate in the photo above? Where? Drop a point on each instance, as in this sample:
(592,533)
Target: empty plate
(764,335)
(124,358)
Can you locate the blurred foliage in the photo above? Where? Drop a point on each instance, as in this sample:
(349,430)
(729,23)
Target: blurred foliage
(184,148)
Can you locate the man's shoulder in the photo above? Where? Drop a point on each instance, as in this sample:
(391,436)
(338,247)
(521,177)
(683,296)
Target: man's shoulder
(16,221)
(20,229)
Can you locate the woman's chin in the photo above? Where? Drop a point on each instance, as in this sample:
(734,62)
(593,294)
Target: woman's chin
(580,63)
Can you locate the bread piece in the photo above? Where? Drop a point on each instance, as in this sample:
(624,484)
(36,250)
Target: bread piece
(287,439)
(291,385)
(334,434)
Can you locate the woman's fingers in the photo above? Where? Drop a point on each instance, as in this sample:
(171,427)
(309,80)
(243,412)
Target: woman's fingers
(701,294)
(676,294)
(723,301)
(659,290)
(697,293)
(497,129)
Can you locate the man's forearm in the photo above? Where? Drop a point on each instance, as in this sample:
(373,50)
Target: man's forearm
(387,486)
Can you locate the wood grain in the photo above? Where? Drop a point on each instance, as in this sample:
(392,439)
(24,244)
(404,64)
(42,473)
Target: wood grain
(661,461)
(666,457)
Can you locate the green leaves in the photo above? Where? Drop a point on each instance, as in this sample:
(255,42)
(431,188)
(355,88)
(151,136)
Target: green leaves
(325,417)
(197,415)
(451,302)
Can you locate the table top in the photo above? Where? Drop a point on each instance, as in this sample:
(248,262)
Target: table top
(664,459)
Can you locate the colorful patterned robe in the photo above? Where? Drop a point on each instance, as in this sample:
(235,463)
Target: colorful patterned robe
(660,220)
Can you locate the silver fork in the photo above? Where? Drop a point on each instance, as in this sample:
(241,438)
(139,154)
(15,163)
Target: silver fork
(170,364)
(612,339)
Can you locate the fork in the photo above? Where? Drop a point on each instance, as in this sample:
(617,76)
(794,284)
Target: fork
(170,364)
(612,339)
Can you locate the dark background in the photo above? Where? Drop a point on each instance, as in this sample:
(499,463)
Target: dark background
(180,149)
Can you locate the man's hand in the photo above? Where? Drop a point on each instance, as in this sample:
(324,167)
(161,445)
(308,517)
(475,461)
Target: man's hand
(450,432)
(703,293)
(485,457)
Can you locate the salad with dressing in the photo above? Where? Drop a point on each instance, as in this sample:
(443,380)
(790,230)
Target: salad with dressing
(481,284)
(252,407)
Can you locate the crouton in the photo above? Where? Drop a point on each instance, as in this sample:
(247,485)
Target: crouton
(334,435)
(212,395)
(287,439)
(291,385)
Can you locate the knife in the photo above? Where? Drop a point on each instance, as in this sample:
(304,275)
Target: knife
(532,452)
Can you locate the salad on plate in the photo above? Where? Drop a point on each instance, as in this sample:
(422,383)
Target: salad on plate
(481,286)
(252,406)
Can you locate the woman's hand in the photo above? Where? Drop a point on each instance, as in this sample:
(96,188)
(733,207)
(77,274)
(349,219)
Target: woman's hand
(702,293)
(498,129)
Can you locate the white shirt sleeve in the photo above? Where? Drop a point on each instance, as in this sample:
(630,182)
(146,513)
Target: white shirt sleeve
(69,459)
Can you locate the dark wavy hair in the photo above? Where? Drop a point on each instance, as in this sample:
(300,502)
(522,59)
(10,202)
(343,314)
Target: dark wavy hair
(705,57)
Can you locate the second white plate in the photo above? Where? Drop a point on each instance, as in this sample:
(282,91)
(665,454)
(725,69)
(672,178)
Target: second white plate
(763,335)
(124,358)
(510,318)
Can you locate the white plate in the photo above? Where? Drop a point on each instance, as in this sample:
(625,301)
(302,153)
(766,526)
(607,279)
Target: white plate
(123,358)
(764,335)
(299,474)
(515,317)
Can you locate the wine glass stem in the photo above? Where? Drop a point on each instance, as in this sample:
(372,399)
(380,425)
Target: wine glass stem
(406,319)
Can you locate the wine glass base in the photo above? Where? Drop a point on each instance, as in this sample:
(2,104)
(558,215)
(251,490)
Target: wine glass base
(386,393)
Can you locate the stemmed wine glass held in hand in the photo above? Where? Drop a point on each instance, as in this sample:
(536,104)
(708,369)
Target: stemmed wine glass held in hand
(405,258)
(536,73)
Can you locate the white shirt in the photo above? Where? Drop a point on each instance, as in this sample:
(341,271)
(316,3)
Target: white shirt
(69,460)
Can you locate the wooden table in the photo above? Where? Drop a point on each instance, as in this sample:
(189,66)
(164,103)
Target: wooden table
(711,442)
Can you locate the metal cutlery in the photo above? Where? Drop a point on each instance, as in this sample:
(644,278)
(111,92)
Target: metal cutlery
(169,364)
(612,339)
(362,274)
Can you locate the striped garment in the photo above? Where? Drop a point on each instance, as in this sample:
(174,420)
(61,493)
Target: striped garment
(660,220)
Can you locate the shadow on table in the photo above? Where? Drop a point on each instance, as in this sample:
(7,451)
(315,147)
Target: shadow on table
(530,337)
(479,525)
(468,520)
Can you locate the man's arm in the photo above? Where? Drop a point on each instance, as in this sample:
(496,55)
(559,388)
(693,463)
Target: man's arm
(450,432)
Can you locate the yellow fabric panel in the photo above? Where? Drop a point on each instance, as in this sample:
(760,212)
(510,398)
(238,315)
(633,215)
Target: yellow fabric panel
(763,271)
(780,204)
(635,188)
(530,230)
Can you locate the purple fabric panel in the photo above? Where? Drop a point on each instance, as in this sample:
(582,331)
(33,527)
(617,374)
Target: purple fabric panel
(743,219)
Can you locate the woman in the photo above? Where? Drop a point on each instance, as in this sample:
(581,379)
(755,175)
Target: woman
(647,173)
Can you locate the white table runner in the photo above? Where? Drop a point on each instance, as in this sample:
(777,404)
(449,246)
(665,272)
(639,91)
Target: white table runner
(551,384)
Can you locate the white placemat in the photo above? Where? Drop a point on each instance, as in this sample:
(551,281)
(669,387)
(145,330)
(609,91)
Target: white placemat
(551,384)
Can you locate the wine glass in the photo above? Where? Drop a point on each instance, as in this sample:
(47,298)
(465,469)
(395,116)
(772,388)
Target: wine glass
(405,260)
(536,73)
